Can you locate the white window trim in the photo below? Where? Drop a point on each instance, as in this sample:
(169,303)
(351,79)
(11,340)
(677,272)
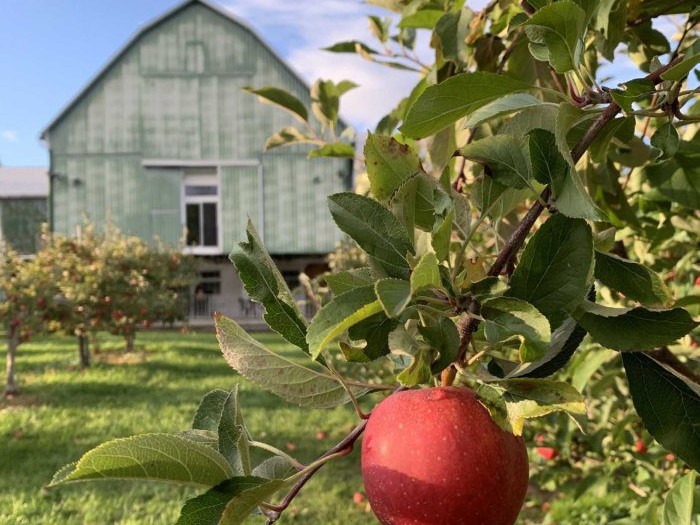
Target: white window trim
(216,178)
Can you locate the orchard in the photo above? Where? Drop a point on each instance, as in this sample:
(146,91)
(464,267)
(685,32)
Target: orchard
(90,282)
(528,232)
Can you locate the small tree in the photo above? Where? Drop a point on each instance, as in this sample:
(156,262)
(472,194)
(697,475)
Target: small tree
(28,292)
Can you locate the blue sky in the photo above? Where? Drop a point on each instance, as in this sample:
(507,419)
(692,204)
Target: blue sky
(49,49)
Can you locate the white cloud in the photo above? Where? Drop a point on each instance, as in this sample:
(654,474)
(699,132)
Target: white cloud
(9,135)
(308,27)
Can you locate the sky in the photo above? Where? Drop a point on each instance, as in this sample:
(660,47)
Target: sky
(50,49)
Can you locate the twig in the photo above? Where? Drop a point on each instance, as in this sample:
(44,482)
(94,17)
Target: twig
(344,447)
(273,512)
(467,324)
(643,19)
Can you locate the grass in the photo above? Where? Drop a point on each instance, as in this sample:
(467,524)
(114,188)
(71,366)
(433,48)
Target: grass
(62,412)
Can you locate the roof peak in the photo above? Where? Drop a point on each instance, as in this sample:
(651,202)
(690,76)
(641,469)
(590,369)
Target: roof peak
(145,28)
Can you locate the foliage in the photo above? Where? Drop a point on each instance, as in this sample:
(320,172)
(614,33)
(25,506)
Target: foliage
(508,132)
(91,282)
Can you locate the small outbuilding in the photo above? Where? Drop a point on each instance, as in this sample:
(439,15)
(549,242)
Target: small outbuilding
(23,206)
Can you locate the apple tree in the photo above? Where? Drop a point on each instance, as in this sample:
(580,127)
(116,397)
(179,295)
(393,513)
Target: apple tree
(518,204)
(28,305)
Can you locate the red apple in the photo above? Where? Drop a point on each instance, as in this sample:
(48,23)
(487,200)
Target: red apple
(640,446)
(435,457)
(547,453)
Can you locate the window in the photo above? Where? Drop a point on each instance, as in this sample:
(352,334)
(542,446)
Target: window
(202,209)
(209,283)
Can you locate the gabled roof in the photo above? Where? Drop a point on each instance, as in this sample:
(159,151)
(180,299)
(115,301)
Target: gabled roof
(23,182)
(152,25)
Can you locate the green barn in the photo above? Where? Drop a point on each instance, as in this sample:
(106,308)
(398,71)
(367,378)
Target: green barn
(164,142)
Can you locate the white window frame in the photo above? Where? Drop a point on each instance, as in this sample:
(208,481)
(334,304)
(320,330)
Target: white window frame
(212,180)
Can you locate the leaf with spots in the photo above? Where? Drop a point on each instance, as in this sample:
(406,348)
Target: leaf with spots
(512,401)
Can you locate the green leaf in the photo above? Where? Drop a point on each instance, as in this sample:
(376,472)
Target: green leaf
(281,98)
(426,274)
(504,155)
(565,341)
(375,230)
(233,439)
(555,268)
(632,91)
(375,332)
(265,285)
(281,376)
(667,404)
(275,467)
(548,165)
(209,411)
(678,179)
(405,345)
(336,149)
(423,19)
(442,235)
(418,371)
(452,30)
(394,295)
(413,205)
(340,314)
(666,139)
(204,437)
(572,199)
(568,119)
(620,128)
(152,457)
(507,318)
(289,136)
(501,107)
(681,70)
(441,105)
(512,401)
(636,329)
(350,46)
(341,282)
(230,502)
(325,96)
(389,164)
(558,29)
(678,506)
(442,335)
(635,280)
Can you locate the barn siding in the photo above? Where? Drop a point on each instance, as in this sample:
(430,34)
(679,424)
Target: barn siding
(176,94)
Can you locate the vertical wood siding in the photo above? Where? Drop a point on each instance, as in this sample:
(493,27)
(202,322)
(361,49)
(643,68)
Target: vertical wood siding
(176,94)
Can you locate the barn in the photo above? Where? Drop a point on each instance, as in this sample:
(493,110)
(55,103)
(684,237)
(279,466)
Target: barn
(165,143)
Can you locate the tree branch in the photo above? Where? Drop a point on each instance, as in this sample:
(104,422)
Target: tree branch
(467,324)
(273,512)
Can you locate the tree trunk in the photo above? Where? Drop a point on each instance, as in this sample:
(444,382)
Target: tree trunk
(84,349)
(12,344)
(130,338)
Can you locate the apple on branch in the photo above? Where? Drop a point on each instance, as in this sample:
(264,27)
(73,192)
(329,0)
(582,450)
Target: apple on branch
(435,457)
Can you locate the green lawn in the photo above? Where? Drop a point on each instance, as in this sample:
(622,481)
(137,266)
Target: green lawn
(62,412)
